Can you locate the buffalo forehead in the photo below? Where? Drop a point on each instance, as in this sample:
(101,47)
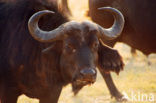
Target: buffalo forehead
(82,34)
(81,37)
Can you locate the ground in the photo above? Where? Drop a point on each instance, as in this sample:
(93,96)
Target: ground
(137,81)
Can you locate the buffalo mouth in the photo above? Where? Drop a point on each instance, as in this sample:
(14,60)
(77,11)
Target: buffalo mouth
(78,84)
(85,81)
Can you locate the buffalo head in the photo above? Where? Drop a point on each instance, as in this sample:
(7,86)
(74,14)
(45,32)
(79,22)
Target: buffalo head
(80,45)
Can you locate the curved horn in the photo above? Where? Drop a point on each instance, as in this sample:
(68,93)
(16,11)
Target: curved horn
(116,29)
(40,35)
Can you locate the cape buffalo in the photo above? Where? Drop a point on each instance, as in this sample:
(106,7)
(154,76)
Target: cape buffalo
(139,31)
(41,50)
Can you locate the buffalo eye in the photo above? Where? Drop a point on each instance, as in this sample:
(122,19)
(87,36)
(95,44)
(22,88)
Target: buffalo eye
(70,48)
(95,45)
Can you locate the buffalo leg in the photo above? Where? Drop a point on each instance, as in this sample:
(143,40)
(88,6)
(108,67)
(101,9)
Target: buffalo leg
(112,88)
(9,93)
(51,98)
(9,97)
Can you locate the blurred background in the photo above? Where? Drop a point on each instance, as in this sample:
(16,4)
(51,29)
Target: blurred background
(138,77)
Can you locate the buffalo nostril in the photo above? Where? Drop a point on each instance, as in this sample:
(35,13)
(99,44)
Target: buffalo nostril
(88,72)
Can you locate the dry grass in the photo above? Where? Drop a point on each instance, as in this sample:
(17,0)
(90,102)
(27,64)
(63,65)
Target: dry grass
(138,76)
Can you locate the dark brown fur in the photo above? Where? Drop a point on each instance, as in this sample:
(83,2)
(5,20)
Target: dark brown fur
(21,66)
(40,70)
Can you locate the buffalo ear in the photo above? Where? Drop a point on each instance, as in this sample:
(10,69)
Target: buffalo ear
(109,59)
